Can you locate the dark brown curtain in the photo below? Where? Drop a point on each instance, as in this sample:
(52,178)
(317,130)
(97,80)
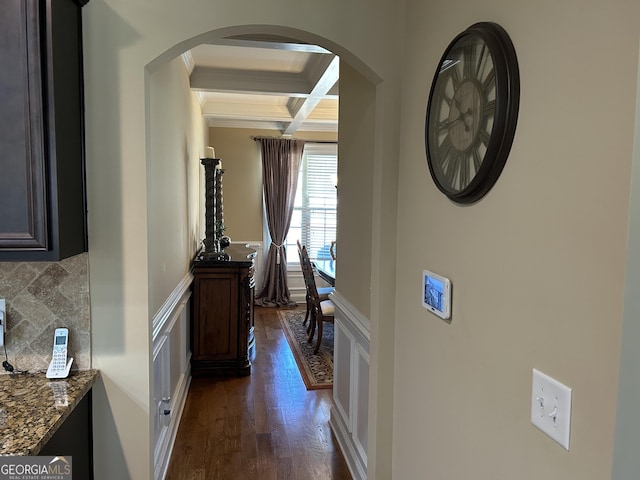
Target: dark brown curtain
(280,167)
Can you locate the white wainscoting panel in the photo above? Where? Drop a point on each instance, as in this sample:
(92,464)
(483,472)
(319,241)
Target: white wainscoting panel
(343,345)
(350,409)
(361,393)
(171,371)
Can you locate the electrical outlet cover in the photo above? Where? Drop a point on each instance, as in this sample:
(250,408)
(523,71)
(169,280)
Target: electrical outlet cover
(551,407)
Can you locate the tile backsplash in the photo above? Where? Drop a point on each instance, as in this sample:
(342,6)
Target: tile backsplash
(42,296)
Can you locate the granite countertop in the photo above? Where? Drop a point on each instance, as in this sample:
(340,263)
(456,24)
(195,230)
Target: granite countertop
(32,407)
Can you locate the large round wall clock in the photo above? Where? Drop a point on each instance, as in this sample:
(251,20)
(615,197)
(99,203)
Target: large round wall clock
(472,112)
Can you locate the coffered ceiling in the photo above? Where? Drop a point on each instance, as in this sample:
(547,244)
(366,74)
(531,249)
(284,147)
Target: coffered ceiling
(266,83)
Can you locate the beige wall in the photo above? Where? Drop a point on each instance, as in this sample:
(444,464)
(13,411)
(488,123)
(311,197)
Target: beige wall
(124,44)
(626,461)
(178,137)
(537,266)
(355,188)
(167,205)
(522,260)
(367,242)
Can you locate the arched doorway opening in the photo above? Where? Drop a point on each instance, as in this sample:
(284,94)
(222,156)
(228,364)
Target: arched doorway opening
(173,133)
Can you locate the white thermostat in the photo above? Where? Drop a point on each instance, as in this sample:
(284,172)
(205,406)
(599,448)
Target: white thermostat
(436,294)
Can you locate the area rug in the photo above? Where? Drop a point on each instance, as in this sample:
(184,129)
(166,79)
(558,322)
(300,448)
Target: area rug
(316,369)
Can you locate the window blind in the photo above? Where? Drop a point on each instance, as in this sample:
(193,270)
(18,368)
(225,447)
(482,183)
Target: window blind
(314,216)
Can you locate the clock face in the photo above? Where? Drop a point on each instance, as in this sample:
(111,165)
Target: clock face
(472,112)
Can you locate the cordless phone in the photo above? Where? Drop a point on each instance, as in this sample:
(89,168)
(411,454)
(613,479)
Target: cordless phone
(60,366)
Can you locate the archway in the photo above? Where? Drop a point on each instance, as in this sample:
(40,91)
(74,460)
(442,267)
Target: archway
(360,192)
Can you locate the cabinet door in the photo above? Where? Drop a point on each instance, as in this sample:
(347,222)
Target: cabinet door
(216,330)
(74,439)
(22,181)
(42,176)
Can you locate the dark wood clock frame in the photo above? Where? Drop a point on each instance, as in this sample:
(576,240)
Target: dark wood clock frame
(496,143)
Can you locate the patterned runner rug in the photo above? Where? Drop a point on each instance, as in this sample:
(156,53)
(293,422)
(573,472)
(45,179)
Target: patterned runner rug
(316,370)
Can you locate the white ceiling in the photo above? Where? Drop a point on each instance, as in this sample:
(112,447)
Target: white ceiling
(266,83)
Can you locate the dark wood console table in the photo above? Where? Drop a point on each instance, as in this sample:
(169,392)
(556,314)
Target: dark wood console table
(222,338)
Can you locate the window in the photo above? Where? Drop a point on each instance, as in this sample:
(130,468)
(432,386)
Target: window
(314,214)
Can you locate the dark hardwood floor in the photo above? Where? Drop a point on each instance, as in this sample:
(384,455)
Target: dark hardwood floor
(264,426)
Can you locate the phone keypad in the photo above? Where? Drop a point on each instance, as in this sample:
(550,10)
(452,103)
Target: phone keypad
(59,358)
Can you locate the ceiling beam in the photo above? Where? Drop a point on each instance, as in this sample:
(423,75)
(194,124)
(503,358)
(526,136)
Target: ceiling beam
(301,109)
(270,45)
(245,81)
(249,93)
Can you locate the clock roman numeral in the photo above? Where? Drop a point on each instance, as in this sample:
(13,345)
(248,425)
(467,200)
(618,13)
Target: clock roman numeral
(454,76)
(443,126)
(467,56)
(447,99)
(482,60)
(442,90)
(457,169)
(463,168)
(453,167)
(489,82)
(477,160)
(489,108)
(484,136)
(444,148)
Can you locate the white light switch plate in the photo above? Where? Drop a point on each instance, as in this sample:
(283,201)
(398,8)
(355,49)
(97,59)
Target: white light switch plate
(551,407)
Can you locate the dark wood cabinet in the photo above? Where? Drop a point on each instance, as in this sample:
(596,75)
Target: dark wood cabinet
(223,321)
(74,438)
(42,174)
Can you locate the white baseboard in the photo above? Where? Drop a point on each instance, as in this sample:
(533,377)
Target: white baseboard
(357,469)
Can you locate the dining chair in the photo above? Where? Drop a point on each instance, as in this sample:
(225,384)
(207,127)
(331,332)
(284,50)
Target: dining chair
(321,310)
(323,292)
